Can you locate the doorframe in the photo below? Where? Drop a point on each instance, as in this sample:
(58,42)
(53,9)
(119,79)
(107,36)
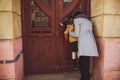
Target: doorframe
(85,8)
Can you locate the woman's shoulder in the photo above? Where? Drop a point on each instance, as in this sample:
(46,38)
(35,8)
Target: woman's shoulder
(84,20)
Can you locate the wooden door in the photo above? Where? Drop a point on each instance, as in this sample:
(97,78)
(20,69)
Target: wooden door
(43,42)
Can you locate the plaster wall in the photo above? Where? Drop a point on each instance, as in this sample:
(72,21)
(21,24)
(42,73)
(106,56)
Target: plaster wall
(10,40)
(105,15)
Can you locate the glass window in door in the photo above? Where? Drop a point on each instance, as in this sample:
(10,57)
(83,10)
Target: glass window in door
(39,18)
(66,3)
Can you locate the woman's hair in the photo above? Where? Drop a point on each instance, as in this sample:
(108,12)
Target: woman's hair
(80,15)
(77,13)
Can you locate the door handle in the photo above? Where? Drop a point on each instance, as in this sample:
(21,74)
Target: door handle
(61,24)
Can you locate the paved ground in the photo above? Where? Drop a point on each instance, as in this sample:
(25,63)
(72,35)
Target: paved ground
(61,76)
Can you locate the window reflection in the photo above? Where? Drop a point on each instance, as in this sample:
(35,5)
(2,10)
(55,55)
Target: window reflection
(71,14)
(39,19)
(47,2)
(66,3)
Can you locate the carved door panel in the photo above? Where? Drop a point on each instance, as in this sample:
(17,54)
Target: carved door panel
(43,41)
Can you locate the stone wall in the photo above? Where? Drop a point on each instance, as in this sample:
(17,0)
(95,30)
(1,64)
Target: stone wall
(105,15)
(10,40)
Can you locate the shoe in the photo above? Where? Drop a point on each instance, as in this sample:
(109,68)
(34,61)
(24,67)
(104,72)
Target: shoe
(75,68)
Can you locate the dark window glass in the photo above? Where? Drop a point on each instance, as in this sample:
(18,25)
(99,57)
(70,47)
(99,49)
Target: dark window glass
(66,3)
(47,2)
(39,18)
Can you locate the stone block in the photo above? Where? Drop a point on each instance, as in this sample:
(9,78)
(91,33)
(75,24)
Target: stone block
(97,7)
(107,65)
(17,47)
(111,26)
(17,32)
(10,5)
(5,5)
(6,53)
(16,6)
(98,25)
(10,25)
(9,49)
(106,25)
(112,59)
(6,25)
(111,6)
(105,7)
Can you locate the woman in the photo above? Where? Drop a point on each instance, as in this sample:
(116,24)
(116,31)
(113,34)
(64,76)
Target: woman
(86,43)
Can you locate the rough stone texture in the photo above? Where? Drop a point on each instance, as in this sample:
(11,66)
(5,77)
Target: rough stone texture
(10,21)
(102,7)
(111,26)
(17,32)
(6,25)
(3,4)
(12,6)
(107,25)
(16,6)
(98,25)
(106,17)
(10,29)
(19,64)
(97,7)
(10,25)
(8,51)
(107,66)
(112,59)
(111,6)
(99,61)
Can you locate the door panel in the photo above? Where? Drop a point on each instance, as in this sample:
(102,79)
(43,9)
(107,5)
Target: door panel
(43,38)
(41,58)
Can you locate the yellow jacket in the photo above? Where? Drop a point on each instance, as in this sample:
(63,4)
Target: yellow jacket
(66,33)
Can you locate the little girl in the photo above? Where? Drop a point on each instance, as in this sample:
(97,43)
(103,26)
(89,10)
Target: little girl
(72,40)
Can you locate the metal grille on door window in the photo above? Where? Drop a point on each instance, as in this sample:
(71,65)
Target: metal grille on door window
(39,18)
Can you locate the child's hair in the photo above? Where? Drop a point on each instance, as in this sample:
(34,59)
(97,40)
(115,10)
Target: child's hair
(70,20)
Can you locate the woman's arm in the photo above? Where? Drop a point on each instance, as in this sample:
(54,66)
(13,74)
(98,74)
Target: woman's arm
(77,28)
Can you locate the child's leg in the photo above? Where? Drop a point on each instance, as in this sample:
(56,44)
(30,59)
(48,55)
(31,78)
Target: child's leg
(77,60)
(73,55)
(74,59)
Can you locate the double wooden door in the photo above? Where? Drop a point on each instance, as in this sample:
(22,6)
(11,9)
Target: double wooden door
(43,41)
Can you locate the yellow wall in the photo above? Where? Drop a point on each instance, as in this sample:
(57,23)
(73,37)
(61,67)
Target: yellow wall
(10,40)
(105,15)
(10,19)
